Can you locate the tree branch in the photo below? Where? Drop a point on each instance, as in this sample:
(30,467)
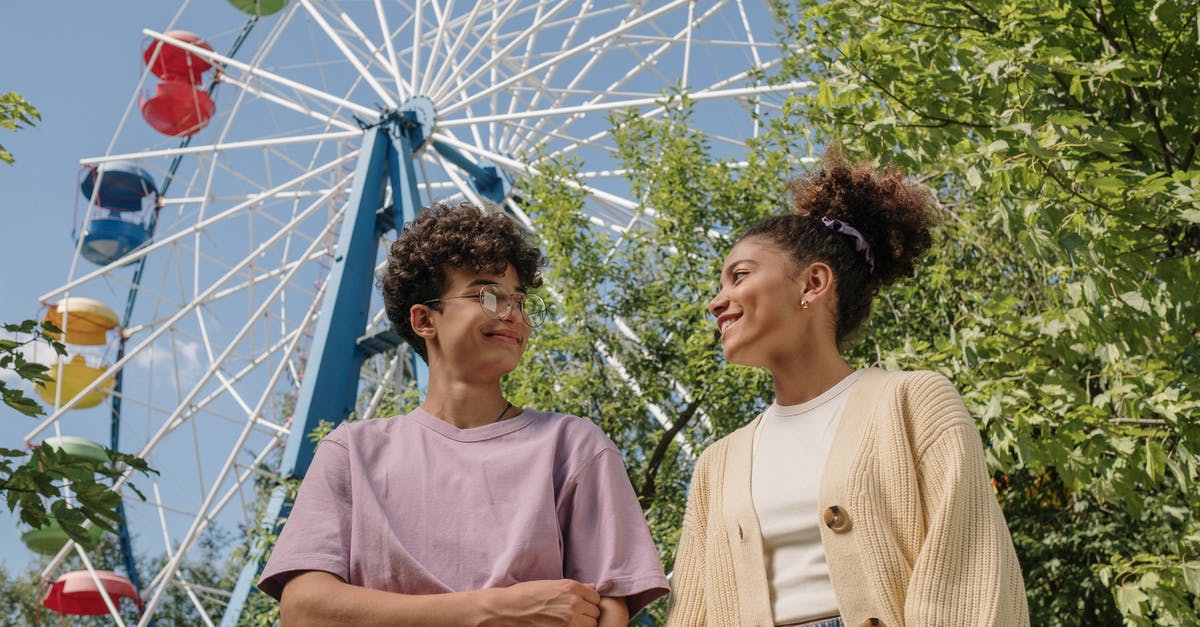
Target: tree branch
(1139,95)
(945,121)
(649,488)
(992,25)
(1070,190)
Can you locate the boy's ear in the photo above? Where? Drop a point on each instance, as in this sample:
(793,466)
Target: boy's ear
(421,320)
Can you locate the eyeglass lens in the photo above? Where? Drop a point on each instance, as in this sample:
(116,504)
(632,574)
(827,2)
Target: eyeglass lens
(498,302)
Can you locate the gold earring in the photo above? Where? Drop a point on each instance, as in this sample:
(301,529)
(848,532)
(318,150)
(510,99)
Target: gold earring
(804,304)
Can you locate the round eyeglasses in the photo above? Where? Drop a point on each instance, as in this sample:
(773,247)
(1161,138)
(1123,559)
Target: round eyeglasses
(497,302)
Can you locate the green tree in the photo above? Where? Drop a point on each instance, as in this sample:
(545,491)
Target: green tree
(46,481)
(1062,139)
(15,113)
(629,343)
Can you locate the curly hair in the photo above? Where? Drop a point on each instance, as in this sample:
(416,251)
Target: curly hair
(893,215)
(446,236)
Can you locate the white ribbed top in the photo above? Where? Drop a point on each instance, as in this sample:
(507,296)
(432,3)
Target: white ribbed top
(791,445)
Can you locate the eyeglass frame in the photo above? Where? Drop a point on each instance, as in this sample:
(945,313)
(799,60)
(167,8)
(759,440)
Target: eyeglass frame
(510,298)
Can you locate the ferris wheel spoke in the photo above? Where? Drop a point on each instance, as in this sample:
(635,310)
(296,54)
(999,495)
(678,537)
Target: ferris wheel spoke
(522,140)
(211,504)
(488,37)
(376,52)
(749,32)
(199,524)
(349,54)
(567,54)
(716,91)
(647,63)
(441,33)
(259,73)
(456,32)
(104,595)
(275,273)
(287,345)
(194,149)
(701,96)
(206,223)
(406,89)
(289,104)
(512,165)
(597,107)
(377,395)
(586,71)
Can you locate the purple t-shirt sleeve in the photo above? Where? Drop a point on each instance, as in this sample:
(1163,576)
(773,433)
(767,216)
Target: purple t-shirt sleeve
(316,535)
(605,538)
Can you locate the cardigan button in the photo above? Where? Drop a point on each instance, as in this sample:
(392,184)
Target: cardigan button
(838,520)
(873,622)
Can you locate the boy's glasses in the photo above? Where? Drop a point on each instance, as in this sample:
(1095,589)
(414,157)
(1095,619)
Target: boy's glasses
(497,302)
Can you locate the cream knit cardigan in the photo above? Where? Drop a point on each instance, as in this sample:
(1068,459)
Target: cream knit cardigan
(920,539)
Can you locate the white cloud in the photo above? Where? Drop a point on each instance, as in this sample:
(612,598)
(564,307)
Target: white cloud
(180,361)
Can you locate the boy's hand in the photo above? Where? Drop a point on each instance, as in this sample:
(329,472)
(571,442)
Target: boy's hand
(548,603)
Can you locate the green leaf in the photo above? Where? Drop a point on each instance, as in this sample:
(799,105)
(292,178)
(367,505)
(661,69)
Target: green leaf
(973,178)
(1130,598)
(1191,577)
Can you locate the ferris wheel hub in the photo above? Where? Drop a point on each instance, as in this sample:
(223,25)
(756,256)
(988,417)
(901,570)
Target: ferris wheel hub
(417,119)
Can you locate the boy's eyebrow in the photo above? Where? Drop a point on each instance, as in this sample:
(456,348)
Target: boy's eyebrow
(484,282)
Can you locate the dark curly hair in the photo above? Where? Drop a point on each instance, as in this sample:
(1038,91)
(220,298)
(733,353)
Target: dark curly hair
(893,215)
(446,236)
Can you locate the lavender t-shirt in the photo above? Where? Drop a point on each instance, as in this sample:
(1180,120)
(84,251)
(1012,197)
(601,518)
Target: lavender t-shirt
(412,504)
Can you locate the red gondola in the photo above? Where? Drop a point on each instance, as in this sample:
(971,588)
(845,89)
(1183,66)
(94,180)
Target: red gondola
(172,63)
(76,593)
(178,108)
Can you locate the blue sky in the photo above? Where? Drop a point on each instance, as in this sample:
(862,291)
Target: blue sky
(79,63)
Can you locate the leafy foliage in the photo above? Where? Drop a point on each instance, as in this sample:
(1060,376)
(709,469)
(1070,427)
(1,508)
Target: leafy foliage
(630,344)
(1062,138)
(47,481)
(12,357)
(15,113)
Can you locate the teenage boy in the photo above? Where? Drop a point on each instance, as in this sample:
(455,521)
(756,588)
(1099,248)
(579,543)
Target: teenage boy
(468,510)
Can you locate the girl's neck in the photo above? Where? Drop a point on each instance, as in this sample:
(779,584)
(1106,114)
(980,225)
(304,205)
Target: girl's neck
(808,375)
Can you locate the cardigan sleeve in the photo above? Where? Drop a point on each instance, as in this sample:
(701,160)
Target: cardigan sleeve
(687,580)
(966,572)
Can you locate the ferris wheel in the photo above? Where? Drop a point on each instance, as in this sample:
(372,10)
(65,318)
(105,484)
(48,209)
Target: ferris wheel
(259,169)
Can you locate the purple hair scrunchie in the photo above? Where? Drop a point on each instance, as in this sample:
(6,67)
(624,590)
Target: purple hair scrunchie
(860,242)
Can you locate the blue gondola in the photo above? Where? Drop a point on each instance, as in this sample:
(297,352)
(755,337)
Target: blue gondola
(121,206)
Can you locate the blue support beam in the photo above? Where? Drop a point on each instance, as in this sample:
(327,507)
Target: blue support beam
(488,180)
(406,198)
(329,385)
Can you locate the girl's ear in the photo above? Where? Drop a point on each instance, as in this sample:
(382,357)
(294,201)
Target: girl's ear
(818,282)
(421,319)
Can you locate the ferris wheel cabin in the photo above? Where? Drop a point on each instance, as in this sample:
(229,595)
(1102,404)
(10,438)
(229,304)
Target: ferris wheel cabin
(85,323)
(178,108)
(119,191)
